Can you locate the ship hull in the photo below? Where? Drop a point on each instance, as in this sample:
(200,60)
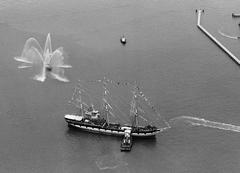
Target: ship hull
(106,131)
(111,132)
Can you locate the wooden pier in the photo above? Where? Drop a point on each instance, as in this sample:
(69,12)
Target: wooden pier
(230,54)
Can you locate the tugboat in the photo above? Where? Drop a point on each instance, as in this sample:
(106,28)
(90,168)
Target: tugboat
(126,144)
(94,121)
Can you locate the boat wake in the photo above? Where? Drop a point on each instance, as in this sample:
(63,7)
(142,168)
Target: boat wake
(194,121)
(228,36)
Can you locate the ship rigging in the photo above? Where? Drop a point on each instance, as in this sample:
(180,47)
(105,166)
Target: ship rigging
(95,120)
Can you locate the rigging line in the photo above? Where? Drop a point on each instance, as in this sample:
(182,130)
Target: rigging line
(139,93)
(126,102)
(120,112)
(117,106)
(140,116)
(106,81)
(123,101)
(158,114)
(85,89)
(88,90)
(109,106)
(141,96)
(75,97)
(84,104)
(89,93)
(107,102)
(120,98)
(151,106)
(115,116)
(103,100)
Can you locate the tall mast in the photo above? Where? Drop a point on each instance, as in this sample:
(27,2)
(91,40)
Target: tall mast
(80,100)
(105,103)
(134,110)
(77,99)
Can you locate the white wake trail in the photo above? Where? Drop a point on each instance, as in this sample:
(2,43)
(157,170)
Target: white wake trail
(202,122)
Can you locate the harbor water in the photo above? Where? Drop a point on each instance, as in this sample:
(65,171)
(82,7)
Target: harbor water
(193,84)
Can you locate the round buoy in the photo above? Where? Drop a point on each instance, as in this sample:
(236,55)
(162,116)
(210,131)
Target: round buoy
(123,40)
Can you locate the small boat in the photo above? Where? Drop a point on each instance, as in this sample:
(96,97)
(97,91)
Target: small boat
(126,144)
(123,40)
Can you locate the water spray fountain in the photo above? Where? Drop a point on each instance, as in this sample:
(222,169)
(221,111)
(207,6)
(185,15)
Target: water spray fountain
(43,62)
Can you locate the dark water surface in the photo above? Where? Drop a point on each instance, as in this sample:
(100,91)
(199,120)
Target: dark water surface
(178,67)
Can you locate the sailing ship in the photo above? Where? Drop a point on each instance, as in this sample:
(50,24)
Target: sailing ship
(96,121)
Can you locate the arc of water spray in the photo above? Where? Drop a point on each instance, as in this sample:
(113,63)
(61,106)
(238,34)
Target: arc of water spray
(33,55)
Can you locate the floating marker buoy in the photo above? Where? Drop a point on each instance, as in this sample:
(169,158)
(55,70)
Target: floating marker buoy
(123,40)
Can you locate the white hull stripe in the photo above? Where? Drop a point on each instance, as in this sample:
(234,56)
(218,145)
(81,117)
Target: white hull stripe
(112,132)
